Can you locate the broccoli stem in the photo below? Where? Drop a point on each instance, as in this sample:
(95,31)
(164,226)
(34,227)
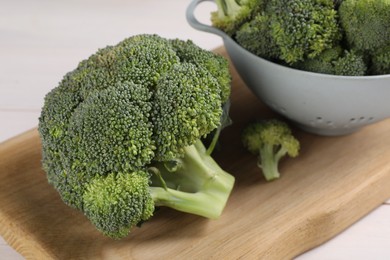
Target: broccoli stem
(227,8)
(269,161)
(199,187)
(214,141)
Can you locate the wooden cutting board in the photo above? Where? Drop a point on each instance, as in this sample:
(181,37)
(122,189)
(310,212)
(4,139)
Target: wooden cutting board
(334,182)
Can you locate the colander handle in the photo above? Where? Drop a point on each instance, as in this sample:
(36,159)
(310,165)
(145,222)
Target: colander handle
(194,23)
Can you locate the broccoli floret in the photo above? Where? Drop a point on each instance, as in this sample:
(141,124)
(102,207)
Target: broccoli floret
(271,140)
(128,113)
(290,31)
(336,61)
(187,51)
(117,202)
(231,14)
(381,61)
(366,23)
(303,28)
(178,122)
(255,37)
(323,63)
(350,64)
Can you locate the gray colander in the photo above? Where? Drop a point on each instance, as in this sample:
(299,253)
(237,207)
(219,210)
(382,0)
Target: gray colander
(317,103)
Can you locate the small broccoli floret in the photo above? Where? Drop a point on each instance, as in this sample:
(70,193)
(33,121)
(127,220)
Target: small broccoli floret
(381,61)
(350,64)
(231,14)
(255,37)
(142,104)
(323,63)
(366,23)
(336,61)
(303,28)
(271,140)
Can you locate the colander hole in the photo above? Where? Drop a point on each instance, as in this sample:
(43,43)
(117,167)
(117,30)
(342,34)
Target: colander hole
(352,120)
(370,118)
(329,123)
(319,119)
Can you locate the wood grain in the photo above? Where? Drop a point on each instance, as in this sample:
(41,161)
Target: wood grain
(334,182)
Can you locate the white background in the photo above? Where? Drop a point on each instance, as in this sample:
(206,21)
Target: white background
(41,40)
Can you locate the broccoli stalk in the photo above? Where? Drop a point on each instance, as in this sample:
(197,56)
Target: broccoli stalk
(231,14)
(193,184)
(197,185)
(271,140)
(269,160)
(227,8)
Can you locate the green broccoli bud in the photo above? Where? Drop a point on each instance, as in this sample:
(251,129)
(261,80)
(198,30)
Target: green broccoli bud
(323,63)
(255,37)
(303,28)
(336,61)
(117,202)
(381,61)
(187,51)
(271,140)
(187,107)
(366,23)
(351,64)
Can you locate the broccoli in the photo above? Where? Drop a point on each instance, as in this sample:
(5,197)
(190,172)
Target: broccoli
(303,28)
(231,14)
(350,64)
(121,134)
(366,23)
(308,34)
(255,36)
(271,140)
(336,61)
(289,30)
(323,63)
(381,61)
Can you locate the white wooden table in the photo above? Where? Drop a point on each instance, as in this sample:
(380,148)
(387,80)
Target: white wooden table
(41,40)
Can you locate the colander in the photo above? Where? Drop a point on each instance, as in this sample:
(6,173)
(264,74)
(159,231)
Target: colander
(317,103)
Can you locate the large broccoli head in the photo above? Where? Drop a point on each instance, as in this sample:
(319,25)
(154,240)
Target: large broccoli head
(122,110)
